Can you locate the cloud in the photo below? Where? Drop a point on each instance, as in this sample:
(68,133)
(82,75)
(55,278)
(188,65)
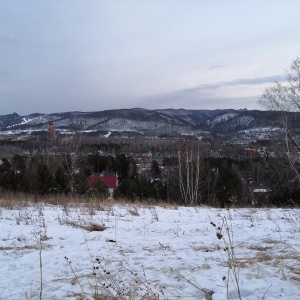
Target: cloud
(238,93)
(258,80)
(196,101)
(112,54)
(241,81)
(215,67)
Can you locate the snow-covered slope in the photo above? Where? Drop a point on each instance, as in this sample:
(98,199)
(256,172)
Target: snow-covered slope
(219,123)
(59,252)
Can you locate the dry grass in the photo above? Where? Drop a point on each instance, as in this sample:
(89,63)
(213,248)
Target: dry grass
(105,284)
(205,267)
(261,257)
(271,241)
(16,199)
(295,278)
(89,227)
(30,247)
(5,203)
(104,297)
(206,248)
(134,211)
(94,227)
(259,248)
(26,247)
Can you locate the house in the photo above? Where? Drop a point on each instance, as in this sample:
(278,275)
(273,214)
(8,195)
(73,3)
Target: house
(109,178)
(260,196)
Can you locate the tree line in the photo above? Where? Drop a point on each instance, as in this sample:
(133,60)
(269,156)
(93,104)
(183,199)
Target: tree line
(188,178)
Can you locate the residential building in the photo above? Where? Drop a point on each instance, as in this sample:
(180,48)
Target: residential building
(109,178)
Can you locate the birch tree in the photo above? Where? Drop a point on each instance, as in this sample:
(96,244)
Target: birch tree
(285,98)
(189,173)
(70,149)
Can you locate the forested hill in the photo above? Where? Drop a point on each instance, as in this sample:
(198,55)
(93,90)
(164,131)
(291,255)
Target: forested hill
(153,123)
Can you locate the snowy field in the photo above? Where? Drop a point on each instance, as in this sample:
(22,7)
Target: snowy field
(124,251)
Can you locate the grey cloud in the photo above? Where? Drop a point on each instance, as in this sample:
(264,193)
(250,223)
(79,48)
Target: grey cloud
(241,81)
(203,95)
(216,67)
(200,99)
(258,80)
(111,54)
(203,102)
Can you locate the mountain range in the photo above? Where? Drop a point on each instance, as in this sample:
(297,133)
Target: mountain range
(157,123)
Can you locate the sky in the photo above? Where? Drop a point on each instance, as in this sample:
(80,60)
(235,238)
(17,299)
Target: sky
(94,55)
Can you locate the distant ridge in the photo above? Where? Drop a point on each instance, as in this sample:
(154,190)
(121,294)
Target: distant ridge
(156,123)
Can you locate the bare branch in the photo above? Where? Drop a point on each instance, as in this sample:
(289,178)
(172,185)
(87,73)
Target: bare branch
(285,98)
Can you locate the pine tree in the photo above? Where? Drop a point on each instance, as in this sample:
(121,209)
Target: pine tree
(81,184)
(155,170)
(122,166)
(9,181)
(44,179)
(5,166)
(229,184)
(101,188)
(61,181)
(18,163)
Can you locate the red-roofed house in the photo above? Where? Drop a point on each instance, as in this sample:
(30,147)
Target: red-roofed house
(110,179)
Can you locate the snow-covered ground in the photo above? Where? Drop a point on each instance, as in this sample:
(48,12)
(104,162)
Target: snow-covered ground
(148,252)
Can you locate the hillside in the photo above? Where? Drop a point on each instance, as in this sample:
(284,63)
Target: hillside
(172,123)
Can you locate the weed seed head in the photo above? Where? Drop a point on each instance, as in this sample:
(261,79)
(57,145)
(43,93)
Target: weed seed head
(219,235)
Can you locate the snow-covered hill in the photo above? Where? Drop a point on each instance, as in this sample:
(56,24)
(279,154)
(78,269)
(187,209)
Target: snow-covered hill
(126,251)
(168,122)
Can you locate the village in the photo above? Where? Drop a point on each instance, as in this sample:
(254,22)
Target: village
(76,163)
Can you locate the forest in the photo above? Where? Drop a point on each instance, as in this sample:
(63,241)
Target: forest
(186,172)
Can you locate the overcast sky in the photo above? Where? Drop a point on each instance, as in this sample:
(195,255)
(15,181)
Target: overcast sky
(91,55)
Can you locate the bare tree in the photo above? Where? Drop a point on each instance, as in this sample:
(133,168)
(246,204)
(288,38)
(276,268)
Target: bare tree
(189,173)
(285,98)
(70,150)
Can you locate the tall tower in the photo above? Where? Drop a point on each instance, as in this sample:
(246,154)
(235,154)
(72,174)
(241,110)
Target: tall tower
(51,132)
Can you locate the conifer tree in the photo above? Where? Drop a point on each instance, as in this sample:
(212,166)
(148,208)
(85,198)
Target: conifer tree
(81,185)
(101,188)
(229,184)
(5,166)
(61,181)
(122,166)
(155,168)
(44,179)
